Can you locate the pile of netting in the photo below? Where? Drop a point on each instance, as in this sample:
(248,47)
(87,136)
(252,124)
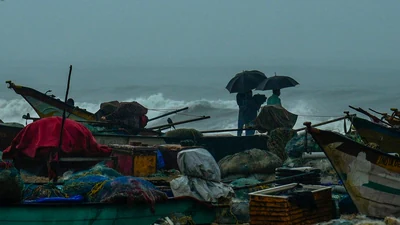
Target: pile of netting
(100,169)
(86,186)
(278,139)
(185,133)
(297,145)
(249,162)
(103,184)
(130,190)
(34,191)
(11,184)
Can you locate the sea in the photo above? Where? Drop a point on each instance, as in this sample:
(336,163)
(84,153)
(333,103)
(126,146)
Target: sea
(324,92)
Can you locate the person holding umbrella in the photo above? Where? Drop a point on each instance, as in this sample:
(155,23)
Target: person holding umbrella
(244,100)
(275,83)
(243,84)
(274,99)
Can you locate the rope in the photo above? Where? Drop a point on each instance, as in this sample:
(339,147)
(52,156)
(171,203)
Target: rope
(95,190)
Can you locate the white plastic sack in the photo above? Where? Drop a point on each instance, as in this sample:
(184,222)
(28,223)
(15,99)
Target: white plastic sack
(201,178)
(198,162)
(200,189)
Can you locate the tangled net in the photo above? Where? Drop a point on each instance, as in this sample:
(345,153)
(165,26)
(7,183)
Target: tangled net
(11,184)
(129,190)
(185,133)
(85,186)
(278,139)
(34,191)
(98,170)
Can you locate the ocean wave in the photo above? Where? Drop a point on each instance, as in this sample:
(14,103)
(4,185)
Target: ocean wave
(223,113)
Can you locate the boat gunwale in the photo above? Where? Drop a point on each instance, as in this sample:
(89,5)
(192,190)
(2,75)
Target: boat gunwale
(89,204)
(377,151)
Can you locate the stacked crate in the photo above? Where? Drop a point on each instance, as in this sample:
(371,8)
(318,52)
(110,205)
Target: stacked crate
(138,161)
(271,206)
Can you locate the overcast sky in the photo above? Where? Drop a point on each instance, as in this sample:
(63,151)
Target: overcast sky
(212,32)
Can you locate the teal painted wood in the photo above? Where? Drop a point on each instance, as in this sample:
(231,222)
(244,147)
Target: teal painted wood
(103,214)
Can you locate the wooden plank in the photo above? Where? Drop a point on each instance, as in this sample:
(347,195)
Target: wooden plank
(85,159)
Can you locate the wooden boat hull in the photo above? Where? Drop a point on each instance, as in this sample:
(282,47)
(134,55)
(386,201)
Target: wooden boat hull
(103,214)
(387,138)
(371,177)
(46,106)
(218,146)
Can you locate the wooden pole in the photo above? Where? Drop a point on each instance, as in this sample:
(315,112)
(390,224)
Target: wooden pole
(62,128)
(326,122)
(226,130)
(300,129)
(169,113)
(274,181)
(63,116)
(180,122)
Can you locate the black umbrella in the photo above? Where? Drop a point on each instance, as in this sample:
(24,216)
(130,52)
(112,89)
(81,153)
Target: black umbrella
(245,81)
(277,82)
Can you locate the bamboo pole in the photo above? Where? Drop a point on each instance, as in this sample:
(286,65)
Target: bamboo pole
(180,122)
(169,113)
(326,122)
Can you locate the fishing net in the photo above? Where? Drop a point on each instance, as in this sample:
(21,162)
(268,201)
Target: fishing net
(249,162)
(34,191)
(278,140)
(272,117)
(243,193)
(184,133)
(296,146)
(11,184)
(129,190)
(87,186)
(99,169)
(237,213)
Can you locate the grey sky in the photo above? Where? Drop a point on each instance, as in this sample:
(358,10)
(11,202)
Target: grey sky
(199,32)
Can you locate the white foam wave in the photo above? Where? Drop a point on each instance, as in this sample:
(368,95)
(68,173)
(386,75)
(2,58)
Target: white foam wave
(223,113)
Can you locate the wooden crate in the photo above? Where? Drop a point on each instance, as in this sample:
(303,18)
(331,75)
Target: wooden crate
(267,207)
(138,161)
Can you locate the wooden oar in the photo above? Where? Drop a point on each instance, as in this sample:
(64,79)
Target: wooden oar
(382,114)
(376,119)
(300,129)
(180,122)
(327,122)
(274,181)
(225,130)
(169,113)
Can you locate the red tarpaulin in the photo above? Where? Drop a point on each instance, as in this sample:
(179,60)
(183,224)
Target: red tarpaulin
(38,138)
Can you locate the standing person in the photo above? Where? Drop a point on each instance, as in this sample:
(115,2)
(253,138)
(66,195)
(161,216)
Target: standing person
(274,99)
(250,114)
(242,100)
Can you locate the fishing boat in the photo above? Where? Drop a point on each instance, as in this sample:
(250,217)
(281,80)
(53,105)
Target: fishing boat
(371,177)
(387,138)
(105,214)
(46,106)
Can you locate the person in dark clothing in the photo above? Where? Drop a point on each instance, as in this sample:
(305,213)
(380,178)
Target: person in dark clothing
(243,100)
(250,114)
